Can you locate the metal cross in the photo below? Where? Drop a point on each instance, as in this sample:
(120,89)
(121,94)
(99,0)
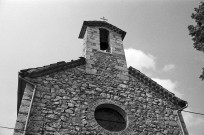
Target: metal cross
(104,19)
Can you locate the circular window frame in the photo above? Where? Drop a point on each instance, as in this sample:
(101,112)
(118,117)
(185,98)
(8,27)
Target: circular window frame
(92,104)
(115,108)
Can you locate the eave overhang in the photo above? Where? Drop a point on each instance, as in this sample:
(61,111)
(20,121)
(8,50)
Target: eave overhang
(100,24)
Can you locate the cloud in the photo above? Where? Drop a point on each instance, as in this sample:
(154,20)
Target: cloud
(139,59)
(169,85)
(168,67)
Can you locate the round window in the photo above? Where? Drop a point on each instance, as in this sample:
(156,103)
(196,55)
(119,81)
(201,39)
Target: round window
(110,117)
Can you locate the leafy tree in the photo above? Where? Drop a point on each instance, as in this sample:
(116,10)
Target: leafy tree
(197,31)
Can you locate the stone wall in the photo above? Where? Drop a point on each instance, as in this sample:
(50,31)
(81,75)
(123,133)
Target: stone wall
(93,54)
(64,103)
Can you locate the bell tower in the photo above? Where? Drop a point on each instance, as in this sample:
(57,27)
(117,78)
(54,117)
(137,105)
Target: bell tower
(103,48)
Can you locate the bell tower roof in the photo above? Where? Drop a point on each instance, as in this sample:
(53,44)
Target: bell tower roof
(101,24)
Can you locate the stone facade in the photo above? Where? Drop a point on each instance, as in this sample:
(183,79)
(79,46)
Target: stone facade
(63,102)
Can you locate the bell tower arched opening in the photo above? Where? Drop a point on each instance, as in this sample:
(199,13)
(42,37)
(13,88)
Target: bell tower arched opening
(104,40)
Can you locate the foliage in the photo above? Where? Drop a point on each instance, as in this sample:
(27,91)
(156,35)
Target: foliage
(197,31)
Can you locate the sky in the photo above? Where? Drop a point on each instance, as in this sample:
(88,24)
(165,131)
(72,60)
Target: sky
(35,33)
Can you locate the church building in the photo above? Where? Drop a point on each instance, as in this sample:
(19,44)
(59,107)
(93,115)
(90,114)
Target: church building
(96,94)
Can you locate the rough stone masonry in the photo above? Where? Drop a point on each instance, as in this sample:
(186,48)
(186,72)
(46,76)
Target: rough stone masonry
(63,102)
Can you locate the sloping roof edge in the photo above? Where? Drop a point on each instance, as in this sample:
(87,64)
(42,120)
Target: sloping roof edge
(101,24)
(40,71)
(156,87)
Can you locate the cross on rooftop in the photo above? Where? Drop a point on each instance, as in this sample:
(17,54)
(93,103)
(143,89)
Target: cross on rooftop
(104,19)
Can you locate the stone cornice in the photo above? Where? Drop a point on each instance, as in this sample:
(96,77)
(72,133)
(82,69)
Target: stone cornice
(157,88)
(100,24)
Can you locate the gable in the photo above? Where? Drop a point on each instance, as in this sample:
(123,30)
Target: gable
(79,96)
